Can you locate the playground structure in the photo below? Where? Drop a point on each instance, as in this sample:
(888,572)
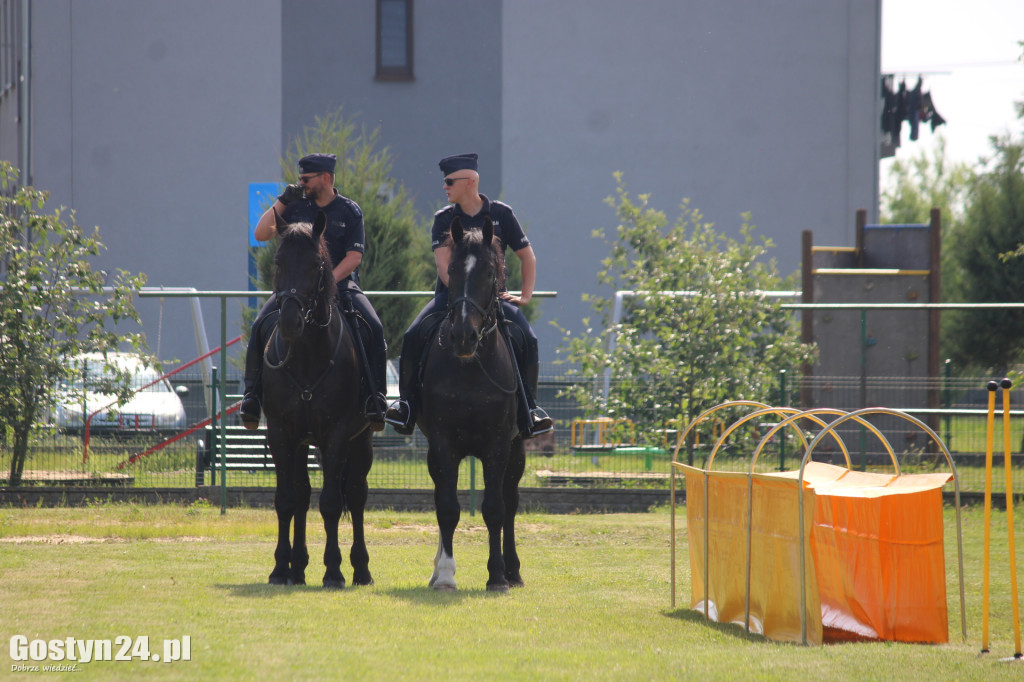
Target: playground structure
(821,553)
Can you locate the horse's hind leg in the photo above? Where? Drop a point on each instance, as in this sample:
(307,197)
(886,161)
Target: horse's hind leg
(331,507)
(356,493)
(494,517)
(513,474)
(284,506)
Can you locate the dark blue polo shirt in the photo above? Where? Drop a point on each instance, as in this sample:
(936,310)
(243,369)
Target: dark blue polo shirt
(506,228)
(344,231)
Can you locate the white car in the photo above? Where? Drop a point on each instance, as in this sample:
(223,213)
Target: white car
(154,407)
(392,387)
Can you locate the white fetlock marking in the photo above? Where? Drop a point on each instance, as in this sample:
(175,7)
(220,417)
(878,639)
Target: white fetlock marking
(443,577)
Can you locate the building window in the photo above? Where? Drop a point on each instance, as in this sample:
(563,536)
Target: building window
(394,40)
(10,39)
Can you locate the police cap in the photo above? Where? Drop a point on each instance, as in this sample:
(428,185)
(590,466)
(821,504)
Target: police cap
(317,163)
(450,164)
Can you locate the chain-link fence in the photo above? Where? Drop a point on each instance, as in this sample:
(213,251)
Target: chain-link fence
(134,450)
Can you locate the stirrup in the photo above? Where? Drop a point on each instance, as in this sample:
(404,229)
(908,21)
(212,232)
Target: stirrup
(399,416)
(541,423)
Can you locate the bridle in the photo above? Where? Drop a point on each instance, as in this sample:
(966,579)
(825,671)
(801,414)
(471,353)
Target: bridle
(307,308)
(488,314)
(307,304)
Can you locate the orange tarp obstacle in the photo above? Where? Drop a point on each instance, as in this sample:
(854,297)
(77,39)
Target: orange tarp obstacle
(822,553)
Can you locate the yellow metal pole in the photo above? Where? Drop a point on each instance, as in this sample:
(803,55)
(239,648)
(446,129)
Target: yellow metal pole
(1006,384)
(990,425)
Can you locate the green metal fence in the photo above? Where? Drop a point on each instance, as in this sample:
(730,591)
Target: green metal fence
(574,454)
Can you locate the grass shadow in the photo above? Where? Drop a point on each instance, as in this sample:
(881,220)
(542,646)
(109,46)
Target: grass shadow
(427,595)
(697,618)
(268,591)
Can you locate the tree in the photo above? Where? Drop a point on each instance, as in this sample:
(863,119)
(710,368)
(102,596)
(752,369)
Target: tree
(52,307)
(398,248)
(983,253)
(702,331)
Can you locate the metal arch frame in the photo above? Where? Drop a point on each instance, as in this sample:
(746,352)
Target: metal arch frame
(855,415)
(807,414)
(703,416)
(796,415)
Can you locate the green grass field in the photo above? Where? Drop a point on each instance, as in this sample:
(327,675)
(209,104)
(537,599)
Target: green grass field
(595,606)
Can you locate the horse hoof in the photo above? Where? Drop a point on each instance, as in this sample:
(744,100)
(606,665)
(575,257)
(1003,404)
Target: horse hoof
(497,587)
(443,588)
(365,583)
(334,584)
(516,582)
(278,580)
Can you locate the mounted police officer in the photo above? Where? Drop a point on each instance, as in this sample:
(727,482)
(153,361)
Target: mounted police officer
(346,243)
(461,185)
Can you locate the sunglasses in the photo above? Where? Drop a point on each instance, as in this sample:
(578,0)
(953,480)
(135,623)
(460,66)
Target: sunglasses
(451,181)
(306,178)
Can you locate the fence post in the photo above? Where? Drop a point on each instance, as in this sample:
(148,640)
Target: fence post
(947,403)
(783,402)
(222,397)
(212,445)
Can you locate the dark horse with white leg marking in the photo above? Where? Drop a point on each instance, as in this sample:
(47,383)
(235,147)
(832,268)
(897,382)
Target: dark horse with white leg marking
(311,378)
(469,407)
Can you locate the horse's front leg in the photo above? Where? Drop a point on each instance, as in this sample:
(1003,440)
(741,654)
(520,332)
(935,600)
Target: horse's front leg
(331,507)
(494,516)
(444,472)
(291,502)
(284,505)
(303,489)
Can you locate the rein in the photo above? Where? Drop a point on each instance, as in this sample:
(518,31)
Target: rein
(306,393)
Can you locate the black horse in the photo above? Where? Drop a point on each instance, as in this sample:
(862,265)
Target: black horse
(311,378)
(469,407)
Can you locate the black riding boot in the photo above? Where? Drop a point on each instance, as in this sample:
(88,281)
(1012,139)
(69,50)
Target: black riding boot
(400,414)
(377,403)
(253,393)
(539,422)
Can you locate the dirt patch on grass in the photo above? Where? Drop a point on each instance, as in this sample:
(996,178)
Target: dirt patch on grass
(64,539)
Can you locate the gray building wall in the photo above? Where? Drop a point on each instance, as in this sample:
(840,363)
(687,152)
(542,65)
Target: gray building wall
(452,106)
(150,119)
(767,107)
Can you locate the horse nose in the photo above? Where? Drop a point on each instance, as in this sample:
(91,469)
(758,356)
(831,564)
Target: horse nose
(465,340)
(291,322)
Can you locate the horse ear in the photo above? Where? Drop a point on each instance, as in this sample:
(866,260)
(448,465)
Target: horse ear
(279,224)
(319,224)
(457,231)
(488,231)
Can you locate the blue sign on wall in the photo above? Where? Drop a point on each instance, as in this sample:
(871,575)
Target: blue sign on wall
(261,197)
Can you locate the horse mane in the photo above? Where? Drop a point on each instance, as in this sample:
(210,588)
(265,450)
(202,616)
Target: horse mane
(474,241)
(301,233)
